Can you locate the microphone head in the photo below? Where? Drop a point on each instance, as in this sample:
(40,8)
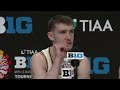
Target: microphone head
(75,62)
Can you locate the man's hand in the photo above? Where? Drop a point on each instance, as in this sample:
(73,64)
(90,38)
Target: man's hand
(60,51)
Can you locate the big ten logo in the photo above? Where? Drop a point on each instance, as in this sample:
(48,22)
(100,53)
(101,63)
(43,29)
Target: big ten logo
(66,71)
(75,55)
(12,25)
(91,26)
(99,65)
(22,62)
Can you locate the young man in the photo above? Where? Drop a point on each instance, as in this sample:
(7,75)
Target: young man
(47,63)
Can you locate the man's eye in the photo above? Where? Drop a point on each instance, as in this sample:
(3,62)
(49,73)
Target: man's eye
(63,32)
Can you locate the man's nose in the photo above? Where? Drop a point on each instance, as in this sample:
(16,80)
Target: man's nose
(68,36)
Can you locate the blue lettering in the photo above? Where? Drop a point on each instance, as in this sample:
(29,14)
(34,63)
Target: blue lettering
(96,65)
(28,25)
(28,61)
(22,25)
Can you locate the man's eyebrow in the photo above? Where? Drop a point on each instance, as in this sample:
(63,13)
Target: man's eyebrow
(63,30)
(72,29)
(66,30)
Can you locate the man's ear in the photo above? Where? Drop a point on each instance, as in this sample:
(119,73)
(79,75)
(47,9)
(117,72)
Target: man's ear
(50,36)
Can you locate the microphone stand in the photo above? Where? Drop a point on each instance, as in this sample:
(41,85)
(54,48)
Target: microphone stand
(75,64)
(75,72)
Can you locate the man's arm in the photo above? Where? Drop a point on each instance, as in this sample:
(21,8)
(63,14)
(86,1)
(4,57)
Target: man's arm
(84,69)
(39,68)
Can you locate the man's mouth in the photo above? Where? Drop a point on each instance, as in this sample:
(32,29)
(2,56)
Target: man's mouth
(69,43)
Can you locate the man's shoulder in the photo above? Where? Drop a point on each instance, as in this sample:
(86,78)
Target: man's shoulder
(85,60)
(40,53)
(36,55)
(38,58)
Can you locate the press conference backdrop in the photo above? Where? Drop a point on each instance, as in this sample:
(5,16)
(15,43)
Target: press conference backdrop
(23,33)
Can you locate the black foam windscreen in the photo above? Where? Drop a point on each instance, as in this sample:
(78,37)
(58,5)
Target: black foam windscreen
(75,62)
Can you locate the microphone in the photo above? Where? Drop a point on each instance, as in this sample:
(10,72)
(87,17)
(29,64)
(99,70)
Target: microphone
(75,62)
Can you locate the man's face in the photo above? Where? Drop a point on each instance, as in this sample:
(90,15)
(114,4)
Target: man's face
(63,33)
